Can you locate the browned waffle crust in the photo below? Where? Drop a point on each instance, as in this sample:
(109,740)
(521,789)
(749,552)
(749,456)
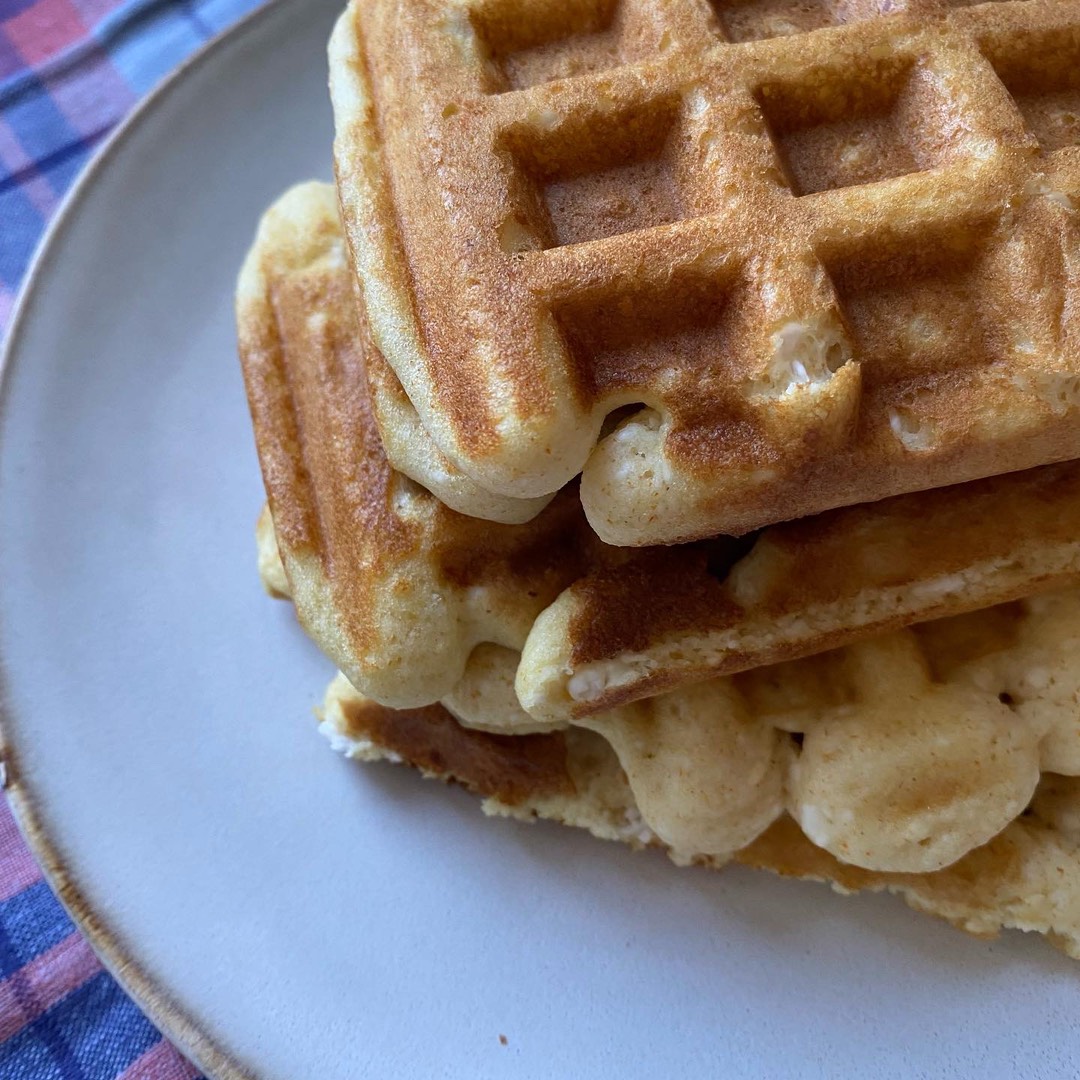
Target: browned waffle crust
(834,265)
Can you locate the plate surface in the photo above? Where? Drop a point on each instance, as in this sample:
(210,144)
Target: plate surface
(280,910)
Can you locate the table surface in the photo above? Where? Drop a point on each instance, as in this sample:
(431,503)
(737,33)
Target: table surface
(70,71)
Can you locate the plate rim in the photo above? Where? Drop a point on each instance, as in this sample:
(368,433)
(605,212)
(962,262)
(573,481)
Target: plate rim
(116,956)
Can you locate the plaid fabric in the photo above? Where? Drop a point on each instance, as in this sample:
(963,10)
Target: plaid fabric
(61,1015)
(69,70)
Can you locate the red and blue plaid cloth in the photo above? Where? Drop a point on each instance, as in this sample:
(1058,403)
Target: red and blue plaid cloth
(69,71)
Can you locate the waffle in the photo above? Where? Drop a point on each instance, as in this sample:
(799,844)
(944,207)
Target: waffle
(413,600)
(737,262)
(938,763)
(900,754)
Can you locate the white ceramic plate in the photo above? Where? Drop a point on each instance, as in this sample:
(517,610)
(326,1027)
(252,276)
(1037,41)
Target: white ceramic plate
(281,910)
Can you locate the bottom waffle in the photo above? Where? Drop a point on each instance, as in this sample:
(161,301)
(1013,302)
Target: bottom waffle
(899,754)
(1027,877)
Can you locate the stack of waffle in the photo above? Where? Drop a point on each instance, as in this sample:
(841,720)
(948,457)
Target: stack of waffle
(670,424)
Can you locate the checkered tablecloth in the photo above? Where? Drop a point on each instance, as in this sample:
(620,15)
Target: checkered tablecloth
(69,71)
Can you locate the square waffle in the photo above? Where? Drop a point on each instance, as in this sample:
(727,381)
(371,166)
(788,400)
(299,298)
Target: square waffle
(736,262)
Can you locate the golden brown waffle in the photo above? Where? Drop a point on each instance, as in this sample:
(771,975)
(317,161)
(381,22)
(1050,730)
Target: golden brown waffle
(822,252)
(1024,875)
(410,598)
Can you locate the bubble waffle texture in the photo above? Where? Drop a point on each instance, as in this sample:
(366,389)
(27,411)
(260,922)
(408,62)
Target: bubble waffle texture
(901,778)
(735,262)
(405,594)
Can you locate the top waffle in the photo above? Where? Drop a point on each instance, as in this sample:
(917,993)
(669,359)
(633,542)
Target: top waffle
(825,254)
